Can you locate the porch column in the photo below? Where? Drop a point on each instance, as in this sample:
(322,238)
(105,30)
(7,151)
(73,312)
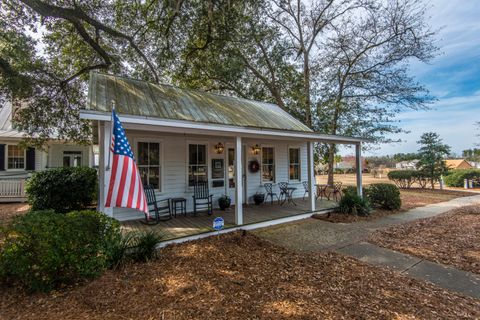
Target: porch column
(358,159)
(311,177)
(238,182)
(104,174)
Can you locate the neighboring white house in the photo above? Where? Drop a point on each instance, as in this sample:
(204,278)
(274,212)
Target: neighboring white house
(17,163)
(180,136)
(407,165)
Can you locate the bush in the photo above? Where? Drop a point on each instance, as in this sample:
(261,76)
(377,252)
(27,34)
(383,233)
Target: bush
(62,189)
(384,195)
(44,250)
(143,246)
(456,177)
(351,203)
(404,179)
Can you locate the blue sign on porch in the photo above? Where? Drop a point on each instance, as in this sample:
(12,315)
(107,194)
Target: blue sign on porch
(218,223)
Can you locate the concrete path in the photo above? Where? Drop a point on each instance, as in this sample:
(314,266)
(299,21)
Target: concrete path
(444,276)
(348,238)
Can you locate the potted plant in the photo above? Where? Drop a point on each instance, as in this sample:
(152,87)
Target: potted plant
(258,198)
(224,202)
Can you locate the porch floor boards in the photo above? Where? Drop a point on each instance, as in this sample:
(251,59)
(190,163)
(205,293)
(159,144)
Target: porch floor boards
(182,226)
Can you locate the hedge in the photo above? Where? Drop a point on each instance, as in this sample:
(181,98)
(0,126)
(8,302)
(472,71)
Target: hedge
(62,189)
(456,177)
(404,179)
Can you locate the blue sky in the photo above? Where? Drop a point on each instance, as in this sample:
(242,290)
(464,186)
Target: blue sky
(453,78)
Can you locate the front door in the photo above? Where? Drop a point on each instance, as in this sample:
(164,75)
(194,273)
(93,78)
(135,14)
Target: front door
(230,167)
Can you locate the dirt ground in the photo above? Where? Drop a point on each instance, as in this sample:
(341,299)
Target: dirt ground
(9,210)
(243,277)
(411,198)
(452,238)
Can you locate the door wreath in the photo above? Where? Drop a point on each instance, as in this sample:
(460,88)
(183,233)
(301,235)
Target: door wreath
(253,166)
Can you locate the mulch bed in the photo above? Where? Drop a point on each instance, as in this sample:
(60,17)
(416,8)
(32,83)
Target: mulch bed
(10,210)
(411,198)
(452,238)
(243,277)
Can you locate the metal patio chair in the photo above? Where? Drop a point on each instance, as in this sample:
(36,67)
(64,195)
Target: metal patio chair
(337,191)
(202,198)
(269,192)
(305,187)
(283,190)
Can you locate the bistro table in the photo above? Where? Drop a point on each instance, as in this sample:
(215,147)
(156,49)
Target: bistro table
(322,191)
(289,195)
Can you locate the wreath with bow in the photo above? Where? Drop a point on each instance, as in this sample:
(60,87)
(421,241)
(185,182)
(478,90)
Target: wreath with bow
(253,166)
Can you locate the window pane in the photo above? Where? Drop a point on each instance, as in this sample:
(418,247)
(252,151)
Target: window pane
(294,172)
(143,153)
(154,177)
(294,155)
(267,173)
(154,154)
(196,173)
(66,161)
(77,161)
(192,154)
(202,154)
(231,168)
(143,171)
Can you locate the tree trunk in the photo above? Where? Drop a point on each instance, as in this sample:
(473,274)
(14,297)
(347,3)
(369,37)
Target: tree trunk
(331,161)
(306,90)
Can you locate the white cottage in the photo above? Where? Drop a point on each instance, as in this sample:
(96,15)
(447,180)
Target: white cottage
(17,163)
(179,136)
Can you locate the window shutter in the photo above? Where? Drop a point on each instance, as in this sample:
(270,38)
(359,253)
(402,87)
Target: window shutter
(2,157)
(30,159)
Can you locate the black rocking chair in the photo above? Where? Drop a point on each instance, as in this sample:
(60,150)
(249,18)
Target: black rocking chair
(160,208)
(202,197)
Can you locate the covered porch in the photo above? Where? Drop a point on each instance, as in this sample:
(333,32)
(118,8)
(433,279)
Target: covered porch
(237,147)
(189,225)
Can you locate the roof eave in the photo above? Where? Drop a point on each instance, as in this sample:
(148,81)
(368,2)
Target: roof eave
(221,128)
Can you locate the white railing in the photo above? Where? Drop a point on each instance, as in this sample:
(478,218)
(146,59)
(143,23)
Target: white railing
(12,188)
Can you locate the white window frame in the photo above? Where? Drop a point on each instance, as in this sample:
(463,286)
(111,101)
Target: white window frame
(187,159)
(299,163)
(7,146)
(274,164)
(161,159)
(71,156)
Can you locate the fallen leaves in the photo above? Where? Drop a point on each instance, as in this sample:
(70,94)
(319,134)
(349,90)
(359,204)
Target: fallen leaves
(452,238)
(244,277)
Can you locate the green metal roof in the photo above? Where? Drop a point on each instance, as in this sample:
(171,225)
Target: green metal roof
(141,98)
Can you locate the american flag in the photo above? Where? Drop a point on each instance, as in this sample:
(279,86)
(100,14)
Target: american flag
(125,188)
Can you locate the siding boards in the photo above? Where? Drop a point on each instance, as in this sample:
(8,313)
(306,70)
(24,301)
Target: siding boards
(174,166)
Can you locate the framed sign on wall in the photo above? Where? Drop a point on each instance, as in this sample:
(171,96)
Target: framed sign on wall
(218,169)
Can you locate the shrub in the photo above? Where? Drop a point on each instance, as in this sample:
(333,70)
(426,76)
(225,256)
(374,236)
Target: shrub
(351,203)
(44,250)
(456,177)
(144,246)
(404,179)
(384,195)
(62,189)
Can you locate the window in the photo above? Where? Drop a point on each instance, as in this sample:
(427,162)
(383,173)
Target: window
(15,157)
(197,163)
(72,158)
(268,164)
(149,163)
(294,163)
(231,168)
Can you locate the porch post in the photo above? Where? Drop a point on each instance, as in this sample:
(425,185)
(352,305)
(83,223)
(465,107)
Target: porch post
(238,182)
(311,177)
(358,159)
(104,174)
